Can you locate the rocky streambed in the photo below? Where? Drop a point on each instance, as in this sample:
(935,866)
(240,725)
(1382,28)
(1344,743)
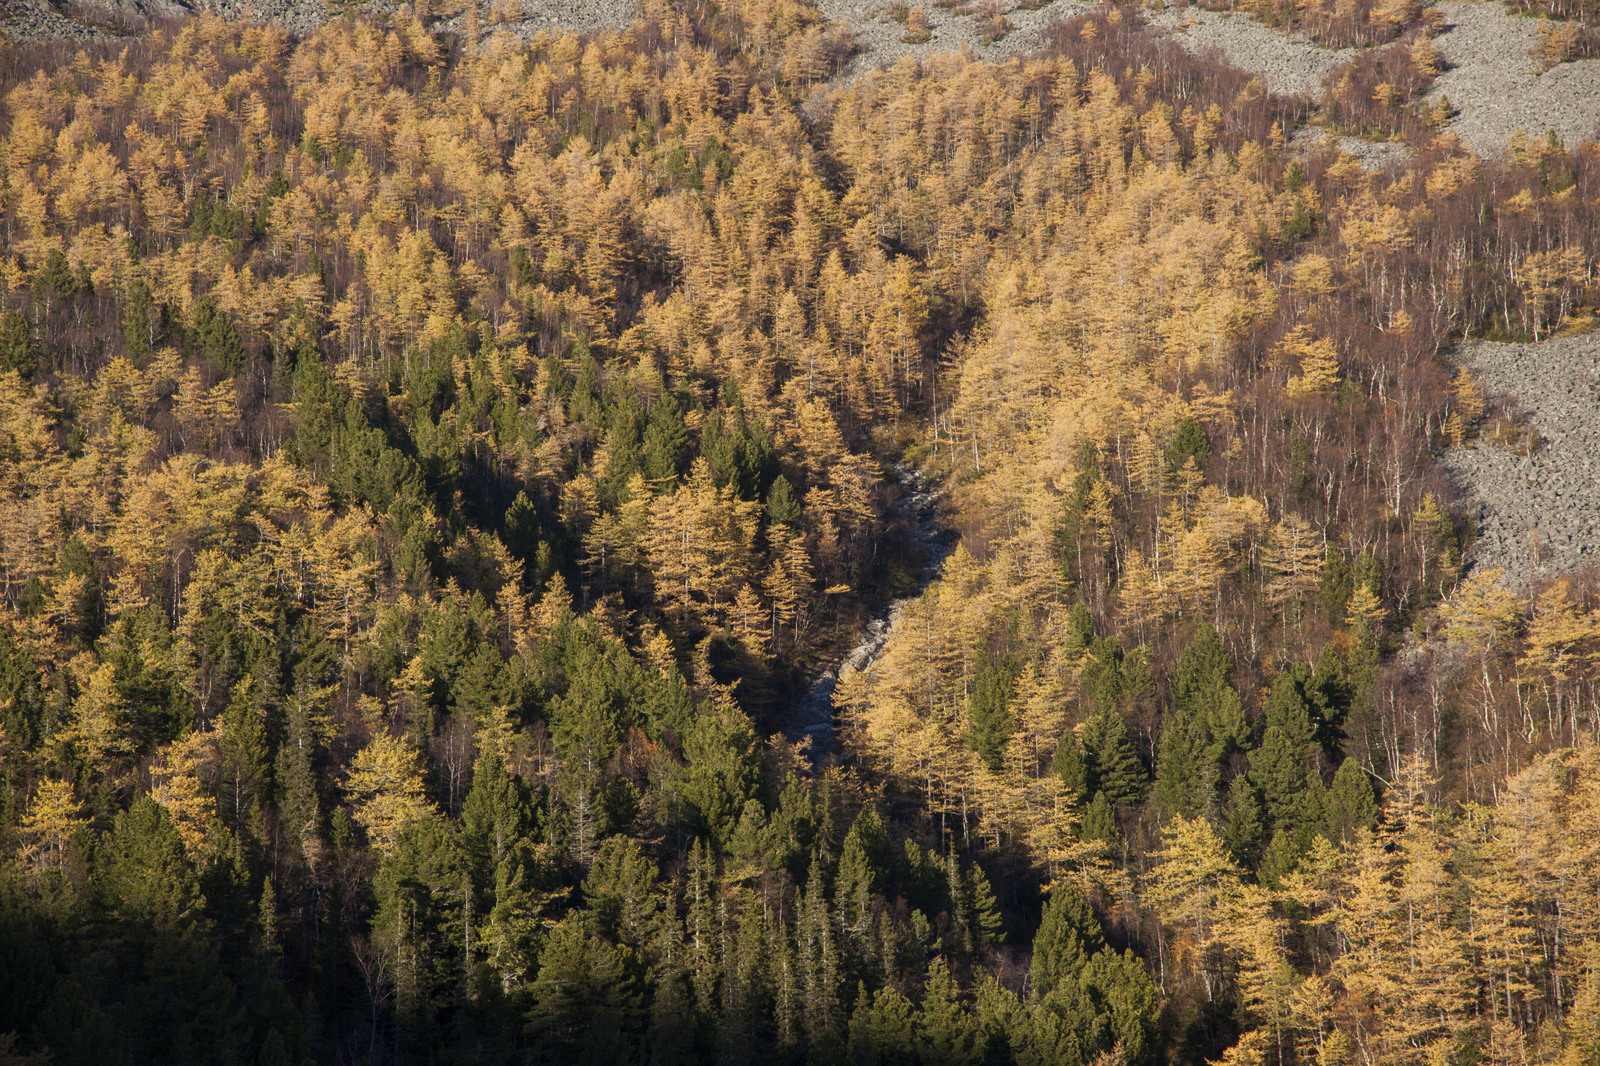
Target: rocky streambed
(811,717)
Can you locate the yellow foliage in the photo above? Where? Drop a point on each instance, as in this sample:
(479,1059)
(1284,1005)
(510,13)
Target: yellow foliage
(176,783)
(385,789)
(100,718)
(49,825)
(1481,613)
(1317,360)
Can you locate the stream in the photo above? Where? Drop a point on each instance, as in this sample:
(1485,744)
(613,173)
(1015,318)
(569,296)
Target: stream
(811,717)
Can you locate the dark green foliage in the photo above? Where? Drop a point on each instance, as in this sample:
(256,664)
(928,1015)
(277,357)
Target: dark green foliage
(1367,571)
(661,453)
(430,379)
(1352,805)
(1186,775)
(1189,442)
(217,218)
(164,994)
(947,1033)
(213,334)
(1073,768)
(1281,857)
(143,874)
(723,771)
(524,537)
(863,868)
(1114,767)
(1200,686)
(141,318)
(1336,586)
(1102,679)
(621,891)
(22,706)
(817,966)
(245,756)
(783,507)
(1109,1003)
(976,915)
(1125,998)
(597,702)
(1080,631)
(1301,222)
(478,688)
(882,1029)
(421,897)
(366,468)
(1203,669)
(989,711)
(1278,767)
(16,345)
(1278,771)
(1243,822)
(56,279)
(139,646)
(1069,936)
(740,454)
(1115,681)
(496,816)
(1100,821)
(319,410)
(587,1006)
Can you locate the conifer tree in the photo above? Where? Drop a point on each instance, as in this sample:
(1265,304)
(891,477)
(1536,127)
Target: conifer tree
(1243,822)
(947,1033)
(385,785)
(1115,768)
(863,862)
(1278,766)
(989,711)
(817,959)
(1352,805)
(1071,765)
(585,1000)
(1100,822)
(1186,778)
(1069,937)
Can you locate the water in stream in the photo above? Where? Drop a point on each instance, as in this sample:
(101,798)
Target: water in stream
(811,717)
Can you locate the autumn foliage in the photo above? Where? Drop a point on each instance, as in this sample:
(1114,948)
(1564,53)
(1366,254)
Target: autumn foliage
(431,473)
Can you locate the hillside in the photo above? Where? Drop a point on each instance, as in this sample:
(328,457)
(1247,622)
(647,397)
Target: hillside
(676,543)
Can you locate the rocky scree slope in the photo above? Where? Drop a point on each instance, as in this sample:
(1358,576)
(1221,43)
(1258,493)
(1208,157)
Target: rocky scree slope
(879,37)
(1288,65)
(1538,514)
(1493,82)
(1490,76)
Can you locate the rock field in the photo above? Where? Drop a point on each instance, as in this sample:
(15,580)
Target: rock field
(1492,81)
(1538,514)
(879,38)
(1490,76)
(1372,155)
(1284,64)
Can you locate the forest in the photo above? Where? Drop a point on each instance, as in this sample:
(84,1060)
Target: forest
(434,467)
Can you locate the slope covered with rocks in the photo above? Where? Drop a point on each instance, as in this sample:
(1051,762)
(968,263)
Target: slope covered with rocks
(1490,75)
(1285,64)
(1493,81)
(1536,503)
